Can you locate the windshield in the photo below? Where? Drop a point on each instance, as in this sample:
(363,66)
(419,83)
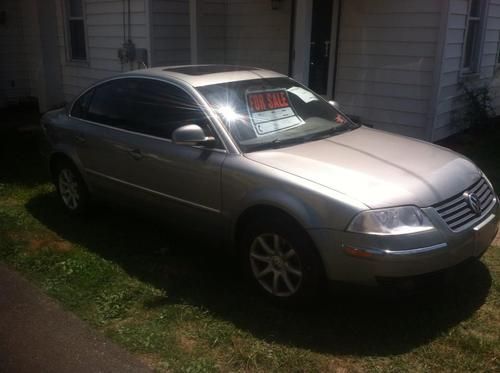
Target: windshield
(270,113)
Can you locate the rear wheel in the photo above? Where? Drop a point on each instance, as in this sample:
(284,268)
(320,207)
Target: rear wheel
(281,259)
(71,188)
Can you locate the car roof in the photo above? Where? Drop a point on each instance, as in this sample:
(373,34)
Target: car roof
(202,75)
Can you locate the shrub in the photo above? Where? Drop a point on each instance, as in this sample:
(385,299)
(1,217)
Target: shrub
(479,107)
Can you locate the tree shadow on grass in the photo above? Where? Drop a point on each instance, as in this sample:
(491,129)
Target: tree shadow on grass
(195,272)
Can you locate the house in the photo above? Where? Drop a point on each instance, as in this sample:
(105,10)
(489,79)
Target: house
(397,65)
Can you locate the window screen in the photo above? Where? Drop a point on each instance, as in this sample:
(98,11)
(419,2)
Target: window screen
(473,37)
(76,28)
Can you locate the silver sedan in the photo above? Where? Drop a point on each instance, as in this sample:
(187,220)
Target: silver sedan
(289,183)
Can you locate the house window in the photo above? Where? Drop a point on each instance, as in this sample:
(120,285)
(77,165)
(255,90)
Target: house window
(76,30)
(472,47)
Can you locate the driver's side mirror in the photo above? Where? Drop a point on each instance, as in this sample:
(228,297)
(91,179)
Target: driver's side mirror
(335,104)
(191,134)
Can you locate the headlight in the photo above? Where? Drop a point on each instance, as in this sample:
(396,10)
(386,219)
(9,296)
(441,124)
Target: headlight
(392,221)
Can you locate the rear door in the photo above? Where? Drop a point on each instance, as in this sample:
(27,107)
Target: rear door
(90,140)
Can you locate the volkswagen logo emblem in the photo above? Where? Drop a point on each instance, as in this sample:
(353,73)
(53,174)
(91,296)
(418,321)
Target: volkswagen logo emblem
(473,201)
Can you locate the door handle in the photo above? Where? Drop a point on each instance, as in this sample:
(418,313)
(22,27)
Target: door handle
(80,139)
(136,154)
(327,48)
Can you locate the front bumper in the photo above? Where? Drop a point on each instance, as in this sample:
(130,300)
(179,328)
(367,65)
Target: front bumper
(361,258)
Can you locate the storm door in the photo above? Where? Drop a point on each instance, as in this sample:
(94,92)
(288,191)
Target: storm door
(321,44)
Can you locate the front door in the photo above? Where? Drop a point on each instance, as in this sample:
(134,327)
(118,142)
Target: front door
(315,44)
(321,43)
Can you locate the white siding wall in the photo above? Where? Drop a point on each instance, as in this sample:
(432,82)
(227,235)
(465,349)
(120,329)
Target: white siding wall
(170,32)
(258,36)
(450,97)
(14,69)
(104,24)
(387,59)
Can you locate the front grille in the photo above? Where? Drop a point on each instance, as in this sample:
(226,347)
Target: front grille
(457,212)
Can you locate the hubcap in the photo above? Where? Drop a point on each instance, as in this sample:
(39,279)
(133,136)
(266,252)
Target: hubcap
(68,186)
(276,265)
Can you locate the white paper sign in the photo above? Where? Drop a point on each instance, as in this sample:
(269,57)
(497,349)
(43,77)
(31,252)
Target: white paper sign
(303,94)
(270,111)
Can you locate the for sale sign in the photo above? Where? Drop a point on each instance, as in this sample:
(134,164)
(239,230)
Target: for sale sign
(270,111)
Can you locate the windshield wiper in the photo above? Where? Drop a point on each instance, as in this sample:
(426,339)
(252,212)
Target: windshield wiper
(328,133)
(277,143)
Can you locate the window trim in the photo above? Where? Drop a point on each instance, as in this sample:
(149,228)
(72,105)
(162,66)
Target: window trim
(475,68)
(202,104)
(67,32)
(497,57)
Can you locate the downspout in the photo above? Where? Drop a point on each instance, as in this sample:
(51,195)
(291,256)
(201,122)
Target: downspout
(124,31)
(337,50)
(193,23)
(438,69)
(129,23)
(291,46)
(149,21)
(124,23)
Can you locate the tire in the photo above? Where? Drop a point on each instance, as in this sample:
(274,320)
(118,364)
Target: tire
(71,188)
(280,259)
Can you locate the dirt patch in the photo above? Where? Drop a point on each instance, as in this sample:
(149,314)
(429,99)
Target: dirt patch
(186,342)
(336,366)
(55,245)
(496,241)
(153,362)
(48,241)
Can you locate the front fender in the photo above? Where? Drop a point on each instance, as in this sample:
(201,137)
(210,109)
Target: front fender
(246,184)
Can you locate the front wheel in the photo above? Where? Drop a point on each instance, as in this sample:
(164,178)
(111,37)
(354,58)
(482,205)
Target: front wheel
(281,259)
(71,188)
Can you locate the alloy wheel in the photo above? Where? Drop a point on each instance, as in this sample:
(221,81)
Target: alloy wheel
(276,265)
(68,188)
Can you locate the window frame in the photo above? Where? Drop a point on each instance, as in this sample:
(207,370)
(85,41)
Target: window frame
(202,105)
(67,32)
(477,48)
(497,57)
(90,91)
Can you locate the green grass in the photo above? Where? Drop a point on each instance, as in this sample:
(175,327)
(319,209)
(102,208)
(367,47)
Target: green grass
(180,305)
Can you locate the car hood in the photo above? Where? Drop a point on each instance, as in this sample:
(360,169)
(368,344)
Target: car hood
(377,168)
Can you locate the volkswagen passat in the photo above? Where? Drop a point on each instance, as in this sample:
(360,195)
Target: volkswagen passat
(285,178)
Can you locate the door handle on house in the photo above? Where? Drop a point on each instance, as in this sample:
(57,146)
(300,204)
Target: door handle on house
(327,48)
(136,154)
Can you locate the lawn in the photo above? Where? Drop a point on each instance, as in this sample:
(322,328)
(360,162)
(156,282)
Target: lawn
(179,304)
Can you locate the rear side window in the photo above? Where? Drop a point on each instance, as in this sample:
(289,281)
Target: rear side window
(81,106)
(146,106)
(113,104)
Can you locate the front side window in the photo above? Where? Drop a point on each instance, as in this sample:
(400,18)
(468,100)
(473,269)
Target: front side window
(145,106)
(268,113)
(165,107)
(76,30)
(472,46)
(112,104)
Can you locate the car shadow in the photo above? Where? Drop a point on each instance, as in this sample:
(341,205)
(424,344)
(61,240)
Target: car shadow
(192,270)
